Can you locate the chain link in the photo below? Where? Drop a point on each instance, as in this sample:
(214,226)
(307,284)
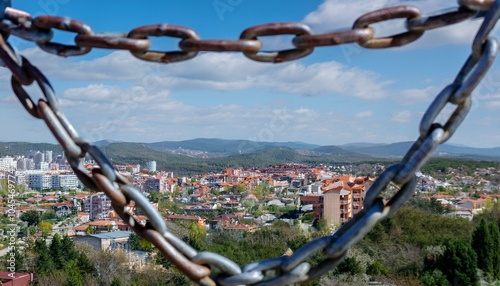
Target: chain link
(40,30)
(197,265)
(406,11)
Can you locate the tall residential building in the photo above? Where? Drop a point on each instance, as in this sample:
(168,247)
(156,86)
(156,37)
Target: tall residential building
(39,157)
(43,166)
(151,166)
(48,156)
(65,182)
(39,181)
(22,164)
(98,206)
(8,163)
(343,198)
(337,201)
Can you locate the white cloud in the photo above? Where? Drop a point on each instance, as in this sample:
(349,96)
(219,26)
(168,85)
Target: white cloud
(415,95)
(334,15)
(115,66)
(339,14)
(363,114)
(114,112)
(216,71)
(401,116)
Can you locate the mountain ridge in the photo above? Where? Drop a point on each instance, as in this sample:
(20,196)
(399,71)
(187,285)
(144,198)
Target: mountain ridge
(210,154)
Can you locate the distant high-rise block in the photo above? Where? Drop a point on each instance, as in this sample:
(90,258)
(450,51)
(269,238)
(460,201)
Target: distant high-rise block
(151,166)
(48,157)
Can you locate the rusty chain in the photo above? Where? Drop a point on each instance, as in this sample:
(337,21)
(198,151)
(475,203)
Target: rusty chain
(197,265)
(42,28)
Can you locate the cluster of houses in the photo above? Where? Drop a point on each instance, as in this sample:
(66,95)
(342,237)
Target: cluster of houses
(235,193)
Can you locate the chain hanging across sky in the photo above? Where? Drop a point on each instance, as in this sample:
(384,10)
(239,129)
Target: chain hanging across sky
(288,269)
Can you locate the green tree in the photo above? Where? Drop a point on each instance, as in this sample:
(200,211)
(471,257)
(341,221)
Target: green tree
(495,250)
(67,248)
(19,260)
(138,243)
(73,275)
(433,278)
(45,227)
(50,214)
(459,263)
(116,281)
(89,230)
(133,241)
(349,265)
(31,217)
(482,243)
(195,236)
(377,234)
(84,264)
(154,196)
(44,262)
(377,268)
(239,189)
(56,251)
(31,230)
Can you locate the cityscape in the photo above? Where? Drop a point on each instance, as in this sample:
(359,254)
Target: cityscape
(234,201)
(316,143)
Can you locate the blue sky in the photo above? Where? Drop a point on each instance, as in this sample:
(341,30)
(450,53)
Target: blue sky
(335,96)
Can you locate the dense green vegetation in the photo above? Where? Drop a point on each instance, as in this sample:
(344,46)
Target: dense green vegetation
(64,263)
(22,148)
(442,164)
(419,245)
(136,153)
(224,146)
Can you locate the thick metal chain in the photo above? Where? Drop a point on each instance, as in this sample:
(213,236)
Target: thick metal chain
(196,265)
(137,41)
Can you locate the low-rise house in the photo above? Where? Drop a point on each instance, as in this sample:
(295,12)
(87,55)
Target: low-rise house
(224,219)
(83,217)
(16,279)
(97,226)
(267,217)
(276,202)
(192,218)
(50,199)
(106,240)
(474,206)
(63,209)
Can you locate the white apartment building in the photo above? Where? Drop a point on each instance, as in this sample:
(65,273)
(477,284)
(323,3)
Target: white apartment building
(48,156)
(43,166)
(65,182)
(151,166)
(39,181)
(8,163)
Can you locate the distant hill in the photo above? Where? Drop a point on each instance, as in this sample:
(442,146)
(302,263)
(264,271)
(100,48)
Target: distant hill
(334,150)
(23,148)
(223,147)
(384,150)
(106,142)
(139,153)
(283,155)
(211,155)
(459,150)
(445,150)
(357,145)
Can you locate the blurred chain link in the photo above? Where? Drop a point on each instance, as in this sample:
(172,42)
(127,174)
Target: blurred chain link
(289,269)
